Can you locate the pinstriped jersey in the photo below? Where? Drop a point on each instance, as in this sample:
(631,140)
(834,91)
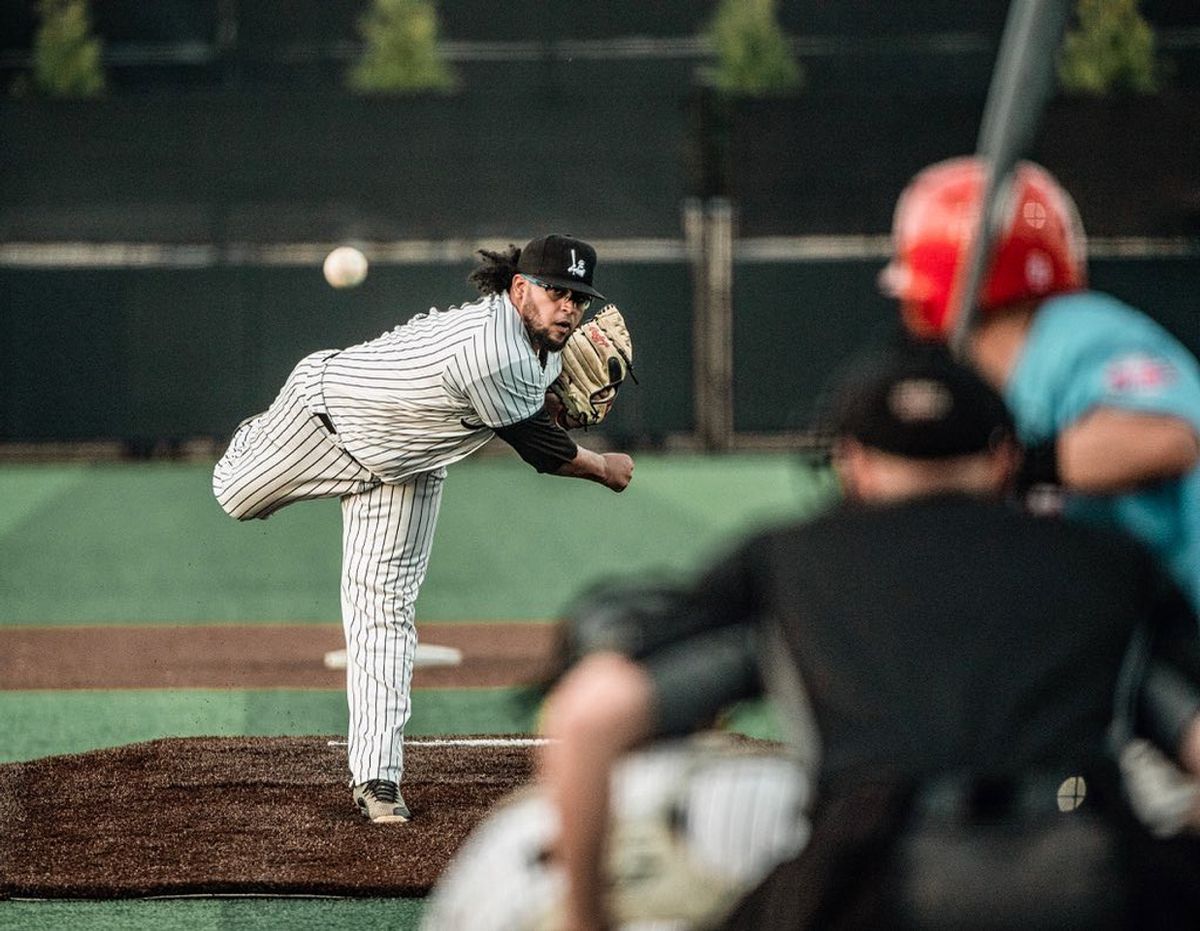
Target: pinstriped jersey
(694,825)
(432,390)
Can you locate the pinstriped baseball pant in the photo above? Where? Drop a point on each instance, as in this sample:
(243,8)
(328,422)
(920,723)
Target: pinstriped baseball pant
(286,454)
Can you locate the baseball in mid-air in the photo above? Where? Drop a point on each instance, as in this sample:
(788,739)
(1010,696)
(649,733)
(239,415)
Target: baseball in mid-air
(345,267)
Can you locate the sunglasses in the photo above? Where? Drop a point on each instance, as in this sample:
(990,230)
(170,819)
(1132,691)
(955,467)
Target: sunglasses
(582,301)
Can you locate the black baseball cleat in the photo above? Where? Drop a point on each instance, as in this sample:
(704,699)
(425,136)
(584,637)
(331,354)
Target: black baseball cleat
(380,801)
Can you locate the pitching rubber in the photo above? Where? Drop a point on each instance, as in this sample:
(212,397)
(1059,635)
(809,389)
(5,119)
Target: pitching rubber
(427,655)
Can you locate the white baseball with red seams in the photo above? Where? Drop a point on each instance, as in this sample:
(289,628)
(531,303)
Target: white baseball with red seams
(345,267)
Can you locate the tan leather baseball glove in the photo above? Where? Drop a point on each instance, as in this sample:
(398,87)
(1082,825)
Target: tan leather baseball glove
(595,361)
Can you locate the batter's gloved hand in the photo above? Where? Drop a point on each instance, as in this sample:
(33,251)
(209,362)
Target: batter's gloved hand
(595,362)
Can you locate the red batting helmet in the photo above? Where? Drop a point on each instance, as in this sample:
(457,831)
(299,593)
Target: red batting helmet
(1040,249)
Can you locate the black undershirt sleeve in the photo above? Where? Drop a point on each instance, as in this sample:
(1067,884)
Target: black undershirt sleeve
(696,678)
(712,658)
(697,643)
(644,617)
(540,442)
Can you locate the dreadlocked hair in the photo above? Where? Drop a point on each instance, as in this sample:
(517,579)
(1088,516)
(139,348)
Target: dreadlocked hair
(496,273)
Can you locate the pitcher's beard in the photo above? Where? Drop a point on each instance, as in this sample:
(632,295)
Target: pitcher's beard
(544,338)
(552,339)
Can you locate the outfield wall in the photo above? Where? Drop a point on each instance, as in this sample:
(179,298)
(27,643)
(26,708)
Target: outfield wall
(160,255)
(146,354)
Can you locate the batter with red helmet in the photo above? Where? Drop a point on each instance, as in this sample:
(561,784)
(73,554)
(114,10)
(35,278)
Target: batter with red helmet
(1107,403)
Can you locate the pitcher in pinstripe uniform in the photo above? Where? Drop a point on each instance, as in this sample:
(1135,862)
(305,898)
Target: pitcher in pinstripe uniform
(377,424)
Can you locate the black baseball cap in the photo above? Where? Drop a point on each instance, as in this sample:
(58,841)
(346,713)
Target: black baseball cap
(562,261)
(921,404)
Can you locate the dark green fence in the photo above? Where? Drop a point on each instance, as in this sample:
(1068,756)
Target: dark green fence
(151,354)
(277,168)
(224,168)
(796,322)
(143,353)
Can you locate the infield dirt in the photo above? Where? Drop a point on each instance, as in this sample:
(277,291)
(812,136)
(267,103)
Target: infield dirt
(252,656)
(242,815)
(238,816)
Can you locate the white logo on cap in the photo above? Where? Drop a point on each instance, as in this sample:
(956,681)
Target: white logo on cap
(577,267)
(917,400)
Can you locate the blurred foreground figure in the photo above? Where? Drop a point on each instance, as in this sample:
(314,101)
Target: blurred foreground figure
(695,825)
(961,662)
(1106,402)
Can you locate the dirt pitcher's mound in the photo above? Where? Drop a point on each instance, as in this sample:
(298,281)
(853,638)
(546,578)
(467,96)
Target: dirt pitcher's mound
(238,816)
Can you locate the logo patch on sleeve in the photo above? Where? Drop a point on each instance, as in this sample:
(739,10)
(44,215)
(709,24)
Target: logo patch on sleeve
(1138,374)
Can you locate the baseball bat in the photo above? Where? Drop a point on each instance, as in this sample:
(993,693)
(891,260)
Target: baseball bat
(1021,84)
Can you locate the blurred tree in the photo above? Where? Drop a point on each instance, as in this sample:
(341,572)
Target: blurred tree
(66,57)
(1112,50)
(754,56)
(401,54)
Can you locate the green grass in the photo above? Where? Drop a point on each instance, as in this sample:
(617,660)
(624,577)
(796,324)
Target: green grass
(214,915)
(47,723)
(148,544)
(27,489)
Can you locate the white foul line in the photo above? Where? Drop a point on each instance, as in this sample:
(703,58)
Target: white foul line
(465,742)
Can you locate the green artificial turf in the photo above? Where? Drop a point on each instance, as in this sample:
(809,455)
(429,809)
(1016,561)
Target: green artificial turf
(147,543)
(47,723)
(214,915)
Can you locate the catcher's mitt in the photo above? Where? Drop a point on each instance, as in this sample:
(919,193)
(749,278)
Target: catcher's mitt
(595,362)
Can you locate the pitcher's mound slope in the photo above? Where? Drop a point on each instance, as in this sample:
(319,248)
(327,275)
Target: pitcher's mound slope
(239,816)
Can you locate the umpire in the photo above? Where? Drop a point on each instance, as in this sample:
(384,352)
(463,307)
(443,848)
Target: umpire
(961,661)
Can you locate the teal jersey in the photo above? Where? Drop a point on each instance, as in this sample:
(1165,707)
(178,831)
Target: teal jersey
(1089,350)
